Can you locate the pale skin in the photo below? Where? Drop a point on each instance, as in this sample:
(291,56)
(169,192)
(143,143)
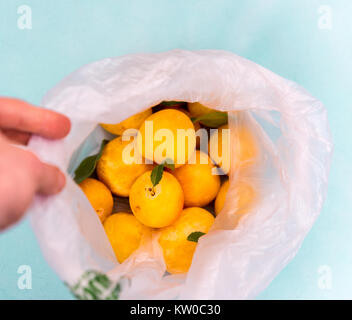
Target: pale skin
(22,174)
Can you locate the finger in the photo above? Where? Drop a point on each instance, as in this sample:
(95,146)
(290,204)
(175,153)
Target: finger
(50,180)
(21,116)
(15,136)
(17,185)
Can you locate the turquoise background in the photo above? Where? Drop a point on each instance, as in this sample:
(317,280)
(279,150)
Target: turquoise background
(281,35)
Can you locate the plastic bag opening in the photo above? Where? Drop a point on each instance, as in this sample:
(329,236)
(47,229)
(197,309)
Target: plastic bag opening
(234,260)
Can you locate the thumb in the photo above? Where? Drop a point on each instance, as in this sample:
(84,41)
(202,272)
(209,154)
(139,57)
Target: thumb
(50,180)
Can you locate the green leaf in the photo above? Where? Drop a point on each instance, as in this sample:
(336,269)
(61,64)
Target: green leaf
(157,172)
(212,119)
(87,166)
(168,163)
(194,236)
(172,103)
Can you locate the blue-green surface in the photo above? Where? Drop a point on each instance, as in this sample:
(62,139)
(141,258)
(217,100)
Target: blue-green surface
(283,36)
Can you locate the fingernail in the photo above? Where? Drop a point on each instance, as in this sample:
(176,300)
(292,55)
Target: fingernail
(61,181)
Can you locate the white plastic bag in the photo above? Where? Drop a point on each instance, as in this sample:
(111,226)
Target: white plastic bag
(230,262)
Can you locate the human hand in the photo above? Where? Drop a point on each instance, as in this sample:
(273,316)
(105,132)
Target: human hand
(22,174)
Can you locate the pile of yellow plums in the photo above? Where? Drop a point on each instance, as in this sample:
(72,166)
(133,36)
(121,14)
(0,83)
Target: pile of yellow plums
(170,186)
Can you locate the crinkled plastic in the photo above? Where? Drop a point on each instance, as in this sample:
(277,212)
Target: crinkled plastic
(235,260)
